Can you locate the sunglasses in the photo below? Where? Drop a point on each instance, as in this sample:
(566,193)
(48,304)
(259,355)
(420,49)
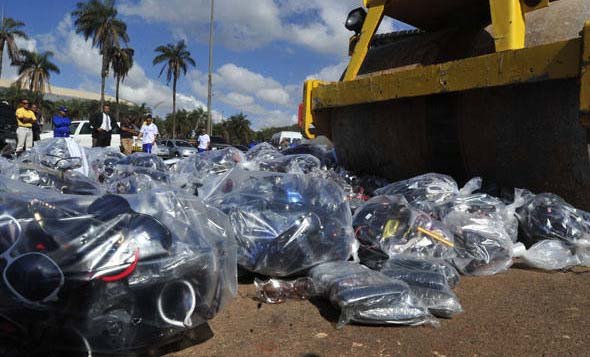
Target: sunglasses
(107,242)
(33,278)
(176,303)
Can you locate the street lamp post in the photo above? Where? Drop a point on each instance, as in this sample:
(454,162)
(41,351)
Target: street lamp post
(209,126)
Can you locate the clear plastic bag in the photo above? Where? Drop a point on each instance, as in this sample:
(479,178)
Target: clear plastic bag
(430,191)
(482,244)
(263,152)
(284,223)
(102,162)
(59,154)
(66,182)
(292,164)
(275,291)
(139,172)
(324,153)
(194,174)
(387,225)
(367,296)
(123,278)
(430,280)
(548,216)
(551,255)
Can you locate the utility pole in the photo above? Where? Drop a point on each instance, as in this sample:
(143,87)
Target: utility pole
(209,125)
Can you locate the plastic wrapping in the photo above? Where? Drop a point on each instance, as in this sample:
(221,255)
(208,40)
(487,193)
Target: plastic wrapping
(487,207)
(59,154)
(367,296)
(343,179)
(430,280)
(482,244)
(102,162)
(430,191)
(550,254)
(548,216)
(197,173)
(284,223)
(275,291)
(123,279)
(387,225)
(139,172)
(263,152)
(67,182)
(293,164)
(324,153)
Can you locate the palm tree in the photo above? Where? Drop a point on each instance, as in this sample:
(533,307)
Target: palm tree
(176,57)
(9,32)
(122,61)
(34,71)
(98,19)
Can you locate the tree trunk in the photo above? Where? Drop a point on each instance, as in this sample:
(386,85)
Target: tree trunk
(103,76)
(174,108)
(117,99)
(1,55)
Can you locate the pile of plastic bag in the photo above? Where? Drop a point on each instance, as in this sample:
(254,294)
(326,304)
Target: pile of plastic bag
(109,253)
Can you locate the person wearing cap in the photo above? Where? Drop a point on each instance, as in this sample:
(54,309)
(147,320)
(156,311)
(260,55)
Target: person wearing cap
(25,118)
(61,124)
(148,134)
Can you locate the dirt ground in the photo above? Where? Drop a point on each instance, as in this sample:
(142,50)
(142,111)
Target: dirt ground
(519,313)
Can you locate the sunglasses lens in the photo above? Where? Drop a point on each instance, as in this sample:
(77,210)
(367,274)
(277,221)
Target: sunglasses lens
(108,207)
(9,232)
(34,276)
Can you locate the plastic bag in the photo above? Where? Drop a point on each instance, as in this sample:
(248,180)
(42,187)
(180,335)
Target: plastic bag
(367,296)
(275,291)
(482,244)
(387,225)
(284,223)
(196,173)
(59,154)
(430,280)
(102,162)
(66,182)
(124,279)
(548,216)
(263,152)
(343,179)
(139,172)
(430,191)
(550,255)
(324,153)
(293,164)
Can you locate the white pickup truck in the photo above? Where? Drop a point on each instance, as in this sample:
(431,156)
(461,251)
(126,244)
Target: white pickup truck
(81,133)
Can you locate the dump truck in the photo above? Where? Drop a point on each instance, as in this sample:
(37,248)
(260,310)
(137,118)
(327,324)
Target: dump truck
(492,88)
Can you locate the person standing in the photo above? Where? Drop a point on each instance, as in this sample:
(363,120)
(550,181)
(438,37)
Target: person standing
(148,134)
(127,132)
(36,125)
(102,126)
(61,124)
(24,132)
(204,141)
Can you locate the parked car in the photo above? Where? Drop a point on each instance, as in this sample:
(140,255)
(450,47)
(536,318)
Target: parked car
(81,133)
(161,149)
(218,143)
(178,148)
(7,125)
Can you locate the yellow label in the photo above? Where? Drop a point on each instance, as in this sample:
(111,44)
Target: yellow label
(435,235)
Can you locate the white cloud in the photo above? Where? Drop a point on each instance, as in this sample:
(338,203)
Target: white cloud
(245,25)
(330,73)
(238,100)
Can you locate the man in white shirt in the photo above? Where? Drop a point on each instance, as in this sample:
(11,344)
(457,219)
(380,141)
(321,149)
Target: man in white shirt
(148,134)
(204,141)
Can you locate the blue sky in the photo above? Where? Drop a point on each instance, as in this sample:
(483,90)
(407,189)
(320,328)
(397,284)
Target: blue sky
(263,52)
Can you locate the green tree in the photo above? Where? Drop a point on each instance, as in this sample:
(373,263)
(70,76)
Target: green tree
(9,32)
(97,19)
(237,129)
(121,61)
(35,70)
(176,58)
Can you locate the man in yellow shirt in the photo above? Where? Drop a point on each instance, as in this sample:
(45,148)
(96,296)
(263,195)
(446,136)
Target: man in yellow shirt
(25,118)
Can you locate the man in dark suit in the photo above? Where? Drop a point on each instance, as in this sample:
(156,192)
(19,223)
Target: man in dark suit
(102,125)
